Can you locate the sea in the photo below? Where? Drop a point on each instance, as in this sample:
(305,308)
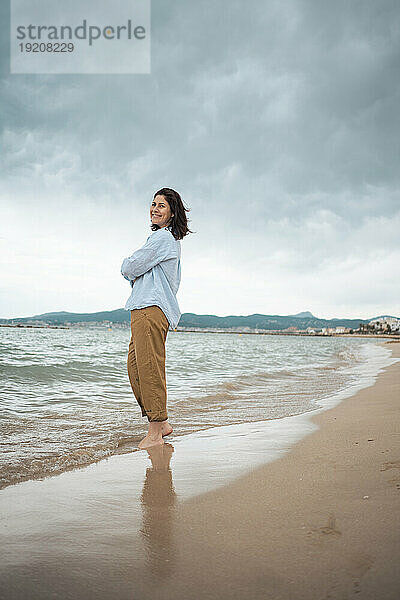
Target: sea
(66,400)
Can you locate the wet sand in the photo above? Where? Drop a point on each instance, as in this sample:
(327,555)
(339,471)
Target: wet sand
(204,516)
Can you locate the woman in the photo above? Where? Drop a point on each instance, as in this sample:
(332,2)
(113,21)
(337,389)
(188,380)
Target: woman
(154,272)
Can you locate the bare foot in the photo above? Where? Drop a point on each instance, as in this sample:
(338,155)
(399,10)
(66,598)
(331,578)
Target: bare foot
(166,428)
(150,440)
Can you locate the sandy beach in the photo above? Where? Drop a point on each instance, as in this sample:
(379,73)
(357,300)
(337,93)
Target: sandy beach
(207,516)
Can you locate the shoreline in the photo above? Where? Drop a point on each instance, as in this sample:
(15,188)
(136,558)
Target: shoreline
(317,522)
(282,431)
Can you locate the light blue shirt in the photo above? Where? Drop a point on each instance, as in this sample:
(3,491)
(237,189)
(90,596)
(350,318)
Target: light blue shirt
(156,269)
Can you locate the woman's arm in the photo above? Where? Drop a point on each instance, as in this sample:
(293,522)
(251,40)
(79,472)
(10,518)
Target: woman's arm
(157,248)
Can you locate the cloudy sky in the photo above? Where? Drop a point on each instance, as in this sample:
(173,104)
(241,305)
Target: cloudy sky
(277,122)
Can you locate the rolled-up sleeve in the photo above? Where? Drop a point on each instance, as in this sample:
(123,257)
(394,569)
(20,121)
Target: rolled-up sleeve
(157,248)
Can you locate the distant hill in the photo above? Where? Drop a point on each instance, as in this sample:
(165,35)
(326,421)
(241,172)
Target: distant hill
(60,318)
(301,320)
(260,321)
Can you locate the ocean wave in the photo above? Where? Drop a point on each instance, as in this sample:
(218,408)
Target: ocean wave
(74,371)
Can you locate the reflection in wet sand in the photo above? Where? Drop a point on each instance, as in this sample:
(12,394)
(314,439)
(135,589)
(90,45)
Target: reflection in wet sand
(158,501)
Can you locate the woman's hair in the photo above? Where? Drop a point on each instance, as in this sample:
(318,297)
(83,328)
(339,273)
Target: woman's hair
(178,223)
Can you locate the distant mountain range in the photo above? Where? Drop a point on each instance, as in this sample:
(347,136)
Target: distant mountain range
(301,320)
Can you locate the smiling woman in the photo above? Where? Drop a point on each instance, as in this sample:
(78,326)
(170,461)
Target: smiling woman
(160,212)
(154,272)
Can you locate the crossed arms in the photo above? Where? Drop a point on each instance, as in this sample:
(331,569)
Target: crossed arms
(158,247)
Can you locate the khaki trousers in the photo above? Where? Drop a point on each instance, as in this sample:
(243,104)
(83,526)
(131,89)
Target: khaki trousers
(146,361)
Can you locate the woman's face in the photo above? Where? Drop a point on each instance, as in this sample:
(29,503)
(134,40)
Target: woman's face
(160,212)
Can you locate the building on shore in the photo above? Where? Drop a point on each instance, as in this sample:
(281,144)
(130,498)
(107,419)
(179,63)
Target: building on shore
(381,325)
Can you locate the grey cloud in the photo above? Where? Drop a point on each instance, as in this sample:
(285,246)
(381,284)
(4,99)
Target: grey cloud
(306,93)
(268,117)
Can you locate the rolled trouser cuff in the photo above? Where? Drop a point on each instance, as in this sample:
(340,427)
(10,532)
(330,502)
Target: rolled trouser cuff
(156,418)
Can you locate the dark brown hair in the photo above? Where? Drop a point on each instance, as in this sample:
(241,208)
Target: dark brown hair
(178,223)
